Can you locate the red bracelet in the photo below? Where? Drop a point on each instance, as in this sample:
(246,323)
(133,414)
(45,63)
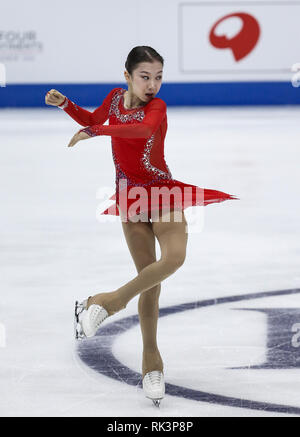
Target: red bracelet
(62,102)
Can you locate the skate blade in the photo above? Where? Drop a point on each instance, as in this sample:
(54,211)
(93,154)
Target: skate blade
(78,331)
(156,402)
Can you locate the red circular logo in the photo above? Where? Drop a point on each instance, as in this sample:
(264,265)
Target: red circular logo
(242,43)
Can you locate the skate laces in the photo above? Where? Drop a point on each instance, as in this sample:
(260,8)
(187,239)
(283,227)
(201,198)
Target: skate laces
(98,315)
(155,377)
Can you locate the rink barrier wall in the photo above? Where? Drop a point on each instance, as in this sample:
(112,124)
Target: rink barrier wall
(174,94)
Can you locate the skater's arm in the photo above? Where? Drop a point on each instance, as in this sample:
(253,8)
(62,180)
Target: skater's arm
(86,118)
(154,115)
(82,116)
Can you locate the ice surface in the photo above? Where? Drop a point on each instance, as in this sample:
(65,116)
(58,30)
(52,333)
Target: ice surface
(54,250)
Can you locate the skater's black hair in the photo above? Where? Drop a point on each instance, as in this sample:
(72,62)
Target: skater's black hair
(141,54)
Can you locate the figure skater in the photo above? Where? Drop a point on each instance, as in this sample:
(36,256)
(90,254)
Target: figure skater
(138,126)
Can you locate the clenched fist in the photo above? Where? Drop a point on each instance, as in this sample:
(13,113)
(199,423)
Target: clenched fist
(54,98)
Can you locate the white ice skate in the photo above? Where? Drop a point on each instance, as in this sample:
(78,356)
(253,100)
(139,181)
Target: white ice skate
(87,321)
(154,386)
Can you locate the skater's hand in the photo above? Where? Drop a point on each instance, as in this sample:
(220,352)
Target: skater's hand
(54,98)
(77,137)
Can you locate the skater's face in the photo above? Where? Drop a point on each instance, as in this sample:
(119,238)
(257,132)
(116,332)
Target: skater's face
(146,79)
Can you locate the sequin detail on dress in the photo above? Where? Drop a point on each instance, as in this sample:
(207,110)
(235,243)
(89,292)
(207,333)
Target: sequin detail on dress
(148,166)
(121,175)
(124,118)
(145,159)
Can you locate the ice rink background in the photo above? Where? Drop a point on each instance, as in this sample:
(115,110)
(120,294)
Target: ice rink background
(54,250)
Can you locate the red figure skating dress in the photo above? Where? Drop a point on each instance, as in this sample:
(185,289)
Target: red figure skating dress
(138,152)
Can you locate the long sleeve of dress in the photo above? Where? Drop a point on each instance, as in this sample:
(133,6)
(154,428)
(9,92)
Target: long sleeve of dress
(87,118)
(154,114)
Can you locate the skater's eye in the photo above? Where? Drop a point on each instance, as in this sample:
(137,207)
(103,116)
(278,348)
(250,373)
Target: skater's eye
(148,77)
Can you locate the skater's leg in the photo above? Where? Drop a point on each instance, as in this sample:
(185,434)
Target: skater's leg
(141,243)
(172,237)
(148,314)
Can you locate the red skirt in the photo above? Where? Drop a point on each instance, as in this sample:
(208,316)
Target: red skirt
(134,201)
